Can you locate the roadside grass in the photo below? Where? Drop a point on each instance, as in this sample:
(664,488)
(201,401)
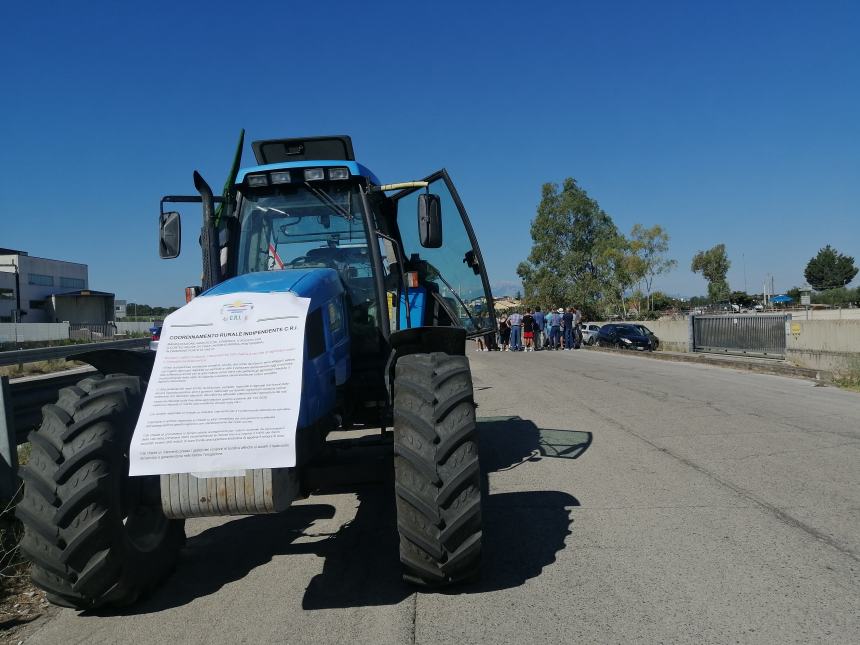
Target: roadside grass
(39,367)
(20,601)
(848,378)
(848,382)
(10,535)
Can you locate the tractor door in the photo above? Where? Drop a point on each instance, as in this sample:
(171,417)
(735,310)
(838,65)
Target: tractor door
(453,274)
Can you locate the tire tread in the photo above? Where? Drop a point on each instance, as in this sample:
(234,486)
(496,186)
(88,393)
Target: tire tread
(437,474)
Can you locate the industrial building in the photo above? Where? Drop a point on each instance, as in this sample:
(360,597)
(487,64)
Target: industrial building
(34,289)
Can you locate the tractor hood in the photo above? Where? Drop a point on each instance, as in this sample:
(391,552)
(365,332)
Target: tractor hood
(320,284)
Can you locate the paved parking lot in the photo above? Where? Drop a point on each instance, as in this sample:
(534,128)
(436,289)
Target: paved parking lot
(628,500)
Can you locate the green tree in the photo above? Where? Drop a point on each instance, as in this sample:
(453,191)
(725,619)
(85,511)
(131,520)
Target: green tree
(743,299)
(837,297)
(830,269)
(660,301)
(651,246)
(620,269)
(568,261)
(713,264)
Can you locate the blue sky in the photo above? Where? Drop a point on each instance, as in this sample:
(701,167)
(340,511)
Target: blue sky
(732,122)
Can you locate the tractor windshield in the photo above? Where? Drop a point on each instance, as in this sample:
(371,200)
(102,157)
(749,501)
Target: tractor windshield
(294,227)
(319,225)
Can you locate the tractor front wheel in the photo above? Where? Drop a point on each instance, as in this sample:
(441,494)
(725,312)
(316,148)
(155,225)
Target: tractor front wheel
(92,536)
(436,470)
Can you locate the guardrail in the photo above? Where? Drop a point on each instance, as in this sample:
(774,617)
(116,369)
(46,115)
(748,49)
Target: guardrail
(20,411)
(21,402)
(64,351)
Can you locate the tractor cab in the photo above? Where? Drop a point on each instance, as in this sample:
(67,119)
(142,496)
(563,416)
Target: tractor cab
(405,253)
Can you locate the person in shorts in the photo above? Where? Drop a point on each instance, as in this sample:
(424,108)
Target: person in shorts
(528,330)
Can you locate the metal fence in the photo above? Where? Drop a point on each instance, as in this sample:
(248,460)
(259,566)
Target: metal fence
(742,334)
(91,331)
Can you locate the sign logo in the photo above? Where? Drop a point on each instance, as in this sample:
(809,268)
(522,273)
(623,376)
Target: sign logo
(236,312)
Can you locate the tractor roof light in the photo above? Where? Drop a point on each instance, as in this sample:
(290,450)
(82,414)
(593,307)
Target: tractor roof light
(281,177)
(255,181)
(338,174)
(314,174)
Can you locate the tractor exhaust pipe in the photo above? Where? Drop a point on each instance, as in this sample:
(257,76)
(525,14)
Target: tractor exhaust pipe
(208,235)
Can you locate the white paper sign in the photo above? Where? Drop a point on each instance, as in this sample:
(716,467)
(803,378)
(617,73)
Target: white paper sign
(226,387)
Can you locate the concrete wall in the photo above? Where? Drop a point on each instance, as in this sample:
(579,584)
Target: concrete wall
(832,345)
(28,332)
(674,335)
(825,314)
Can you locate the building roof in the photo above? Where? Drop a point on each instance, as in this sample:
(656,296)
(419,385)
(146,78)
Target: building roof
(81,293)
(12,252)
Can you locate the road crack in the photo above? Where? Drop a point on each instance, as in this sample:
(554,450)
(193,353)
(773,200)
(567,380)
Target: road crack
(414,617)
(781,515)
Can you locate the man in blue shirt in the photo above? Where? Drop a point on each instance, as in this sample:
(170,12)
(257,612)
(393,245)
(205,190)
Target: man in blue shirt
(539,325)
(567,321)
(516,321)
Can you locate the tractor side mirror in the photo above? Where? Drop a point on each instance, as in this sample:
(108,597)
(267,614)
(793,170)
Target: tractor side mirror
(429,220)
(169,235)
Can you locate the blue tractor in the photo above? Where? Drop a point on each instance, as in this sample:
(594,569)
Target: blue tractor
(395,290)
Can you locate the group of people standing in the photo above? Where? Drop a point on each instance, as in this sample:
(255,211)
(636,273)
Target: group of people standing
(535,330)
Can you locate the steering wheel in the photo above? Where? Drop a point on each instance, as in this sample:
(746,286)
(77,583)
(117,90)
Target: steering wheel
(305,261)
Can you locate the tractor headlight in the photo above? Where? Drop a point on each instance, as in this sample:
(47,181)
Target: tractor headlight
(314,174)
(337,174)
(282,177)
(255,181)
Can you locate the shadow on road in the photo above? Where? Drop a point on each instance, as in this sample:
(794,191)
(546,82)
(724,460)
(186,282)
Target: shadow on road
(523,532)
(226,553)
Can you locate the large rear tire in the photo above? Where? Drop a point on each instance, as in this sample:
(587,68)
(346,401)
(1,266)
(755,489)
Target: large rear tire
(436,470)
(91,538)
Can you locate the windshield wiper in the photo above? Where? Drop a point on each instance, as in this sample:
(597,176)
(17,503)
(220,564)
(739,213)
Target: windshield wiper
(326,199)
(457,296)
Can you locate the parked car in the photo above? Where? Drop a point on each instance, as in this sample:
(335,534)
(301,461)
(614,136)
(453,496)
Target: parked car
(626,336)
(589,333)
(155,333)
(655,342)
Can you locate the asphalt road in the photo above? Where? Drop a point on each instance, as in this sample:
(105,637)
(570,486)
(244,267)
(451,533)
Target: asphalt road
(629,500)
